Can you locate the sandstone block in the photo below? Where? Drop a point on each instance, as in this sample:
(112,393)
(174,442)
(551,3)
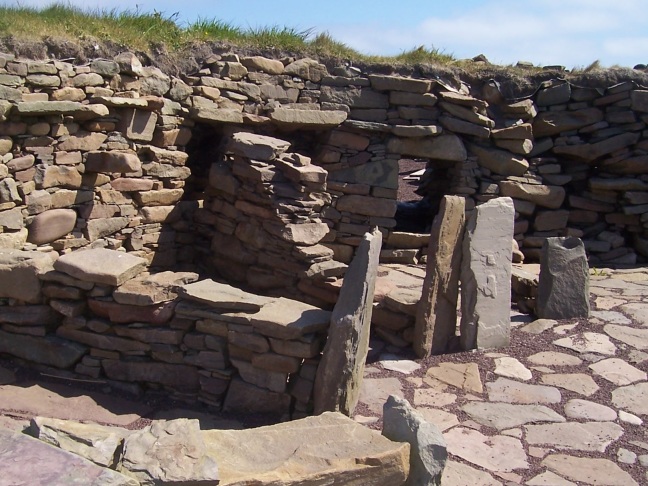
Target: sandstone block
(213,114)
(84,141)
(549,123)
(48,350)
(308,69)
(550,197)
(366,205)
(263,64)
(51,225)
(163,197)
(256,147)
(101,266)
(244,397)
(156,314)
(152,288)
(354,97)
(113,161)
(98,228)
(398,83)
(138,125)
(180,377)
(307,119)
(500,161)
(19,274)
(443,147)
(56,176)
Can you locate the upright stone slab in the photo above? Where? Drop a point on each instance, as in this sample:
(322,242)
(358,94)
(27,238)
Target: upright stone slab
(563,286)
(486,276)
(428,453)
(339,375)
(436,317)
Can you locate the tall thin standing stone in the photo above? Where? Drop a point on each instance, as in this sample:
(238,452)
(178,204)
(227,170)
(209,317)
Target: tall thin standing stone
(563,284)
(486,276)
(339,375)
(436,317)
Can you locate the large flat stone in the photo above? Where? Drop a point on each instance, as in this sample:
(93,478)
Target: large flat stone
(464,376)
(632,397)
(618,371)
(25,460)
(637,338)
(288,319)
(442,147)
(497,453)
(101,266)
(327,449)
(588,342)
(576,382)
(153,288)
(505,390)
(223,296)
(588,436)
(307,119)
(550,197)
(180,377)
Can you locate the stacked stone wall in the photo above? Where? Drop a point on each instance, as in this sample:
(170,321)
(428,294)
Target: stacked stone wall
(99,156)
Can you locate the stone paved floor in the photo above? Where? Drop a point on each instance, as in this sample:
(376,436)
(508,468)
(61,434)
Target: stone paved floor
(564,404)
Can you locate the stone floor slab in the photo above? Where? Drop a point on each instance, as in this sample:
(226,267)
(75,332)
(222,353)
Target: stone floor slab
(586,410)
(595,472)
(588,436)
(432,398)
(495,453)
(375,391)
(459,474)
(460,375)
(618,371)
(588,342)
(576,382)
(548,478)
(632,397)
(442,419)
(511,368)
(637,338)
(638,311)
(504,390)
(506,415)
(553,358)
(395,363)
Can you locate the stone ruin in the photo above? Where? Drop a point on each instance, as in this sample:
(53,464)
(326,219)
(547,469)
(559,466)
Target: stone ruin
(193,234)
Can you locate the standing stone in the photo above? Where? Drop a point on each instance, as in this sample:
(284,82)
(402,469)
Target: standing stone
(428,453)
(486,276)
(563,287)
(436,318)
(339,375)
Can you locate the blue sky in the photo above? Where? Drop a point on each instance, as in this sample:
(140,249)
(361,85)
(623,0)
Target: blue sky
(572,33)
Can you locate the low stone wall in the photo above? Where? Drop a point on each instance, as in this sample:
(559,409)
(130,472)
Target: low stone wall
(99,313)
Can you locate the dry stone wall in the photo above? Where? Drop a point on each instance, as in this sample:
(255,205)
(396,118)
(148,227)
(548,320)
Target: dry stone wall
(301,162)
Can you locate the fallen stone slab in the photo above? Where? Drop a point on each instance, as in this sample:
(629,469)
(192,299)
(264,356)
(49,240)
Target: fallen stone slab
(19,454)
(507,416)
(96,443)
(101,266)
(428,453)
(326,449)
(169,452)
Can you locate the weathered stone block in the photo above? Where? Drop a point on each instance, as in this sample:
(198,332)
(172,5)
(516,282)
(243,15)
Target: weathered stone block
(563,287)
(101,266)
(19,272)
(51,225)
(113,161)
(138,125)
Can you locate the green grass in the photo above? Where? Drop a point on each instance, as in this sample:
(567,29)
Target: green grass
(142,30)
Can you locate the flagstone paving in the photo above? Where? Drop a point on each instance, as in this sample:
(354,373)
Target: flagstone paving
(565,404)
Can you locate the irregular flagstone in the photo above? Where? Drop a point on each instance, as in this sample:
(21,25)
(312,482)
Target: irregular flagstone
(495,453)
(576,382)
(618,371)
(486,276)
(586,410)
(548,478)
(375,391)
(288,319)
(588,471)
(638,311)
(325,449)
(459,474)
(442,419)
(394,363)
(96,443)
(588,342)
(607,303)
(428,453)
(637,338)
(588,436)
(511,368)
(436,317)
(101,266)
(432,397)
(611,317)
(504,390)
(25,460)
(505,415)
(552,358)
(223,296)
(539,326)
(629,418)
(632,397)
(340,371)
(170,451)
(460,375)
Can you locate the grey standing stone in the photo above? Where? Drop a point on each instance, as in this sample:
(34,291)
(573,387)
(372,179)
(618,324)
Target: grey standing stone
(339,375)
(428,453)
(436,317)
(486,276)
(563,287)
